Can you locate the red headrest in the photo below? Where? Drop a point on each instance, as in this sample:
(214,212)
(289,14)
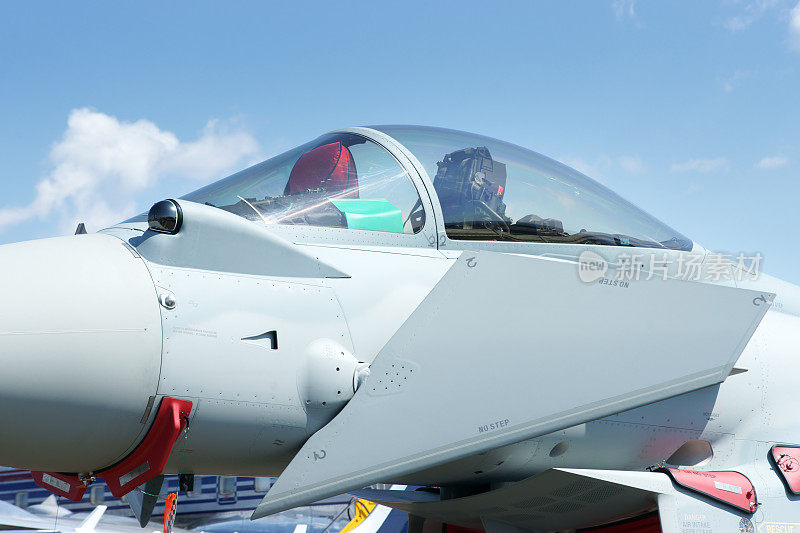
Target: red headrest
(329,166)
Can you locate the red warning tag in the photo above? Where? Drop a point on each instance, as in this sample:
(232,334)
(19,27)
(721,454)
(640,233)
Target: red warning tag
(170,508)
(787,459)
(729,487)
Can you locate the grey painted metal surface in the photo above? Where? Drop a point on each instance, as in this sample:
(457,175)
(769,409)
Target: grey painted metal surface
(80,338)
(269,392)
(557,499)
(569,498)
(213,239)
(583,334)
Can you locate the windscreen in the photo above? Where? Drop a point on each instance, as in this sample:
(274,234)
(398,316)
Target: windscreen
(338,181)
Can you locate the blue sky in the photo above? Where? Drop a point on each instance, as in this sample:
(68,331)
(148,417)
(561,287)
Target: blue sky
(688,109)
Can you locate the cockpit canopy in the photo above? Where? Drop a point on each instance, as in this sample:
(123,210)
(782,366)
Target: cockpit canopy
(488,190)
(339,180)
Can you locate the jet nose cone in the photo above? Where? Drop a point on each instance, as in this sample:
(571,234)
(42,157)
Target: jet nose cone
(80,352)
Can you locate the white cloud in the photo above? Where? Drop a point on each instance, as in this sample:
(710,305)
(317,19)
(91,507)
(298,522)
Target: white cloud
(701,165)
(751,12)
(624,8)
(732,82)
(630,163)
(101,163)
(794,26)
(748,12)
(773,162)
(738,23)
(583,167)
(604,165)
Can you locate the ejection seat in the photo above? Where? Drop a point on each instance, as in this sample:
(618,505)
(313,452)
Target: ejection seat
(330,167)
(329,173)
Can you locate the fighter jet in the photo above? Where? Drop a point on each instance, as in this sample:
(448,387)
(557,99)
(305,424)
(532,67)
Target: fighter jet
(410,305)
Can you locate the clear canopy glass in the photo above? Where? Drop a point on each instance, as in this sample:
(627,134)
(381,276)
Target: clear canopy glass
(493,190)
(339,180)
(489,190)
